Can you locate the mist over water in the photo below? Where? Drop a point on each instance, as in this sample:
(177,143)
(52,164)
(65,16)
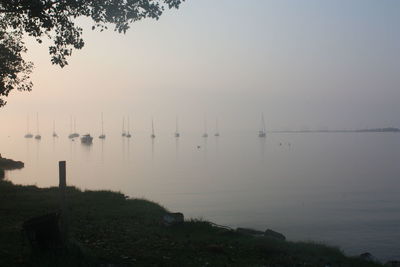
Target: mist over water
(335,188)
(305,65)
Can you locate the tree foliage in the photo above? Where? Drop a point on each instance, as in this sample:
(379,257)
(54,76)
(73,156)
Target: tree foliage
(56,20)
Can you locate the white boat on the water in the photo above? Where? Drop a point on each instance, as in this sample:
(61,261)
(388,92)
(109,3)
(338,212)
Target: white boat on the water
(86,139)
(74,134)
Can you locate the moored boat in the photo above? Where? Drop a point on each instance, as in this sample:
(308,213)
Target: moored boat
(37,136)
(28,134)
(205,134)
(86,139)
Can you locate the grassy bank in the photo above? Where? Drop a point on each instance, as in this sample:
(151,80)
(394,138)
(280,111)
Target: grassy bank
(107,228)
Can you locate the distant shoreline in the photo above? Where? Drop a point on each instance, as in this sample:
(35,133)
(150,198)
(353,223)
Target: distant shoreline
(375,130)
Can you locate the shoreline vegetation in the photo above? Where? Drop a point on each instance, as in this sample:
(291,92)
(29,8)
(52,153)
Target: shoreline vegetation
(109,229)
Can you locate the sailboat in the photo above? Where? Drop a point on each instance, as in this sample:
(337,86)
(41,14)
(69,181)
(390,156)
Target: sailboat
(216,128)
(70,136)
(177,134)
(28,134)
(152,129)
(128,135)
(54,129)
(102,136)
(123,127)
(74,134)
(37,136)
(262,131)
(205,134)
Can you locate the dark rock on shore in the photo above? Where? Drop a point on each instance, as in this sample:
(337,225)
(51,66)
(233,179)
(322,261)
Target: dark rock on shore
(9,164)
(268,233)
(248,231)
(173,218)
(368,257)
(274,234)
(393,263)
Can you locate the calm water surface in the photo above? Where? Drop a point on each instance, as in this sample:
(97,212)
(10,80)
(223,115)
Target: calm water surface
(337,188)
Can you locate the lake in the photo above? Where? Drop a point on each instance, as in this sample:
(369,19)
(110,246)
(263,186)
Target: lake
(337,188)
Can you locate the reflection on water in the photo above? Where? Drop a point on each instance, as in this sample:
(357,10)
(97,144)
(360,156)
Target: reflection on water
(102,149)
(37,144)
(54,143)
(128,150)
(337,188)
(205,149)
(176,147)
(86,150)
(216,145)
(152,148)
(28,148)
(72,147)
(262,142)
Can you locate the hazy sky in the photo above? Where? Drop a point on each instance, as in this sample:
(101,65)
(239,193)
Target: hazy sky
(305,64)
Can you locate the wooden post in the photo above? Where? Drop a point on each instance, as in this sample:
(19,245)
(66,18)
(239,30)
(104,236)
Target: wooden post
(63,176)
(63,187)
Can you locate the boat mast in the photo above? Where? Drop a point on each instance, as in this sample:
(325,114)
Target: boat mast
(27,124)
(37,122)
(205,125)
(152,126)
(102,126)
(263,123)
